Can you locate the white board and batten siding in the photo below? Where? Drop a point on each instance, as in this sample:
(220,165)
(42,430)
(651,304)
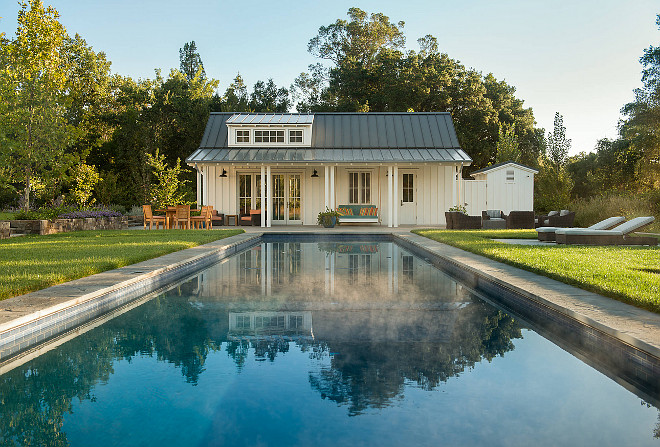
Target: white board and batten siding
(507,187)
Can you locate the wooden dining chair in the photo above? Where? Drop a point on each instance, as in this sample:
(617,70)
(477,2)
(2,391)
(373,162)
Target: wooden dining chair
(203,218)
(182,216)
(149,216)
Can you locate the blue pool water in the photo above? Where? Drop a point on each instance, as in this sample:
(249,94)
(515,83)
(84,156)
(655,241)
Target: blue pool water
(317,344)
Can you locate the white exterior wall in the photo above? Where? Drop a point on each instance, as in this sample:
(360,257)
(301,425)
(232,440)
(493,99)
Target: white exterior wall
(436,189)
(500,194)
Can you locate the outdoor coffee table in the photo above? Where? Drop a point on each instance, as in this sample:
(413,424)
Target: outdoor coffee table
(232,216)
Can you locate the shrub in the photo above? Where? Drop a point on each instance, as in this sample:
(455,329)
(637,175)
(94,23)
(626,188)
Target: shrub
(594,209)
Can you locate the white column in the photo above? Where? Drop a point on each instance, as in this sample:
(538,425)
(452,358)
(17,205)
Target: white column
(326,178)
(326,277)
(395,269)
(200,178)
(389,268)
(269,269)
(332,188)
(205,185)
(389,196)
(395,196)
(263,265)
(263,196)
(269,197)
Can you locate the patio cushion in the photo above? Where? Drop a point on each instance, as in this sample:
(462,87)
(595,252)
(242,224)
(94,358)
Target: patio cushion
(345,211)
(563,212)
(553,213)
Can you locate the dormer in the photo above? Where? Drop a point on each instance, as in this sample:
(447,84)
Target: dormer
(270,129)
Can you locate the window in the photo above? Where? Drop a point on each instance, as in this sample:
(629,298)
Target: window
(245,193)
(295,322)
(242,321)
(408,188)
(269,136)
(359,187)
(295,136)
(510,176)
(242,136)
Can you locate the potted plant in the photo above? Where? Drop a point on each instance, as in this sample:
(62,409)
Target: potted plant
(328,218)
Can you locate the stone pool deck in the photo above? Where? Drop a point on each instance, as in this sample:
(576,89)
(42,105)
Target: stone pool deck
(633,326)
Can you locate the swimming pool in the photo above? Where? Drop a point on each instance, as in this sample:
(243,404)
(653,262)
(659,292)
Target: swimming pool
(328,343)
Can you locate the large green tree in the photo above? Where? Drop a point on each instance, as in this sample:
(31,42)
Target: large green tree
(371,71)
(642,125)
(33,88)
(190,61)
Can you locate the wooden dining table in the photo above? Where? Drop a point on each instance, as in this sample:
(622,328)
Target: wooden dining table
(170,214)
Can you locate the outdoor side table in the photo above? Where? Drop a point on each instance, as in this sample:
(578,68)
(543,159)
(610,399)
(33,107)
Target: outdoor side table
(493,224)
(232,216)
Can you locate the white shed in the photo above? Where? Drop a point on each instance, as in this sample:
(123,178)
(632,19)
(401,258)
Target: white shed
(507,186)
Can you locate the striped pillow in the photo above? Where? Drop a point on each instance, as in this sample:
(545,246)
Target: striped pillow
(369,211)
(345,211)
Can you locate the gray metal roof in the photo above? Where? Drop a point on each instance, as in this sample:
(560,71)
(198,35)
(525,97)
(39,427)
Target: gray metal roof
(232,155)
(499,165)
(345,137)
(253,119)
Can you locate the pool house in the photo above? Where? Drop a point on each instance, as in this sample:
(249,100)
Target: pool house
(407,165)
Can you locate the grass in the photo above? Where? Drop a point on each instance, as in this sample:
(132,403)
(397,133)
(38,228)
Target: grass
(6,215)
(31,263)
(628,274)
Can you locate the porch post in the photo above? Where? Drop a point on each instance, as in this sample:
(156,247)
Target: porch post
(326,178)
(205,185)
(263,196)
(332,187)
(395,191)
(269,197)
(389,196)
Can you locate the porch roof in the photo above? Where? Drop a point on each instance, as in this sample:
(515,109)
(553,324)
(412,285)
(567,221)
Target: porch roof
(307,155)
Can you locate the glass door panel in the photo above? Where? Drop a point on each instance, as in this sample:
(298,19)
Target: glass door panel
(294,197)
(279,200)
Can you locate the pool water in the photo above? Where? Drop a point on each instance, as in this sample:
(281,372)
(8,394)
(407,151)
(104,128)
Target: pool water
(303,344)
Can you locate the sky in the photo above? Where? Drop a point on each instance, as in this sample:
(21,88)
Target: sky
(578,58)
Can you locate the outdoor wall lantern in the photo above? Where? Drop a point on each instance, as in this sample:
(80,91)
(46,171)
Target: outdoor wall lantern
(315,174)
(224,173)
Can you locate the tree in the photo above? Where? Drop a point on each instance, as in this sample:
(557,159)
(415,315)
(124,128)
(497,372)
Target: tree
(33,81)
(266,97)
(557,144)
(86,178)
(191,62)
(507,145)
(169,189)
(641,126)
(371,72)
(236,96)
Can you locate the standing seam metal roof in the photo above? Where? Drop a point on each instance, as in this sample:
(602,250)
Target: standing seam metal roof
(338,137)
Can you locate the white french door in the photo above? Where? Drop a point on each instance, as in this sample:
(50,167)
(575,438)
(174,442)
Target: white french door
(287,199)
(407,197)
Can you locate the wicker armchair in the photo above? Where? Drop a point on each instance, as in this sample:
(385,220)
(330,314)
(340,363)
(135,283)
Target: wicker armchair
(253,217)
(217,219)
(520,219)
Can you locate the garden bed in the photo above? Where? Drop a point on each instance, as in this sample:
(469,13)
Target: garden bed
(43,227)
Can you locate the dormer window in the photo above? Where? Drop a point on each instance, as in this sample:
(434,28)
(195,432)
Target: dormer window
(295,136)
(242,136)
(269,136)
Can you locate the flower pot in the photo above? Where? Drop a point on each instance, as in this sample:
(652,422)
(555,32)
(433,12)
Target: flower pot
(329,222)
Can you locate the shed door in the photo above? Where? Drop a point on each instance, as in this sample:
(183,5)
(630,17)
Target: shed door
(408,198)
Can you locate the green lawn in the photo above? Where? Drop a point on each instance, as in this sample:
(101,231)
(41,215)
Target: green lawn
(6,215)
(31,263)
(629,274)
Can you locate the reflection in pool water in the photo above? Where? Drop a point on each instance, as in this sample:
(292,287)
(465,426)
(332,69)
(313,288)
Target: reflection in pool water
(299,344)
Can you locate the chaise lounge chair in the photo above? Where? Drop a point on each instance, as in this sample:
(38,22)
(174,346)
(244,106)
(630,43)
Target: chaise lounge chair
(619,235)
(548,233)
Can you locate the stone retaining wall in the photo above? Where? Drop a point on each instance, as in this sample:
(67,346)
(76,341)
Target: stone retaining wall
(65,225)
(4,230)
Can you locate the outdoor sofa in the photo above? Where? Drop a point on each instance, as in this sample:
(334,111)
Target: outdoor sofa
(548,233)
(520,219)
(559,219)
(457,220)
(620,235)
(357,214)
